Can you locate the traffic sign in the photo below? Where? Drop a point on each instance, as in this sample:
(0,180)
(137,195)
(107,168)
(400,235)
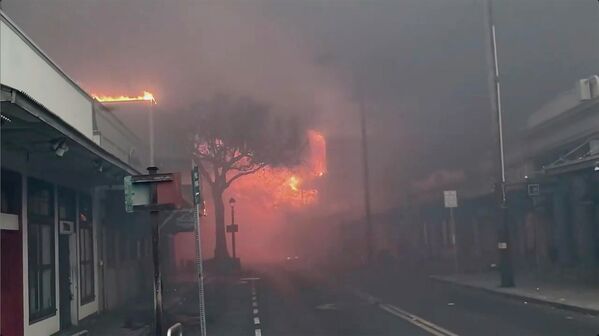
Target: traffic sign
(138,192)
(450,197)
(534,189)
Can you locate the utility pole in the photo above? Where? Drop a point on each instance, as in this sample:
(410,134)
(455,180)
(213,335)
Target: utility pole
(366,178)
(505,261)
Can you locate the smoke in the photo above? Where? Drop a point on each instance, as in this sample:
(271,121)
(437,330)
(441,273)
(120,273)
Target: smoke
(439,180)
(418,67)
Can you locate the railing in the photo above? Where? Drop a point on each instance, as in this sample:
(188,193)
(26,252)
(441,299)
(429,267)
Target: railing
(175,330)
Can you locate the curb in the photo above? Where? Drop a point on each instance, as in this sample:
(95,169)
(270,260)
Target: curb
(513,296)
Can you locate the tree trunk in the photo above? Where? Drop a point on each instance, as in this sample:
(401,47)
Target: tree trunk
(220,248)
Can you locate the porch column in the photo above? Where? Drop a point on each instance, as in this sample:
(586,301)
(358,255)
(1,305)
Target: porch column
(562,230)
(582,208)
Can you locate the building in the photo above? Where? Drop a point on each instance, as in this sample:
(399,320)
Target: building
(68,250)
(553,202)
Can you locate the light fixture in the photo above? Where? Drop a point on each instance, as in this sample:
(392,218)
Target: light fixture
(99,165)
(60,147)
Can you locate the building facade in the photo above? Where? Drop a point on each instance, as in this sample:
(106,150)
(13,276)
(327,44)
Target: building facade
(68,250)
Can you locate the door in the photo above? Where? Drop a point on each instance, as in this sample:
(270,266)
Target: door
(11,256)
(64,279)
(66,214)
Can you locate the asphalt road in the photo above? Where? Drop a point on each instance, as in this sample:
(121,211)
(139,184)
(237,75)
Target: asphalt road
(294,301)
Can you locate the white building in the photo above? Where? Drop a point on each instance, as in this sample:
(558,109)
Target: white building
(67,248)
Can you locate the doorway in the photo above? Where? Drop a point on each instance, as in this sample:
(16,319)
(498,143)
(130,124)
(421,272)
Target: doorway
(64,279)
(66,213)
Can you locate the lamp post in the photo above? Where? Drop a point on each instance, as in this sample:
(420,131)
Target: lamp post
(233,226)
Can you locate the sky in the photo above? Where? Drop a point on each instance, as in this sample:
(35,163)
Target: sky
(418,67)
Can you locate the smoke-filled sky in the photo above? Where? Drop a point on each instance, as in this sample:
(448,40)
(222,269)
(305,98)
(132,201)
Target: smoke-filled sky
(419,65)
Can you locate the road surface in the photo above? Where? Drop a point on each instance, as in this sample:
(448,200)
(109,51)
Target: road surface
(291,301)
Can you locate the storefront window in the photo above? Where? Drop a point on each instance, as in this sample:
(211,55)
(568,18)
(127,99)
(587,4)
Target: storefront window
(42,290)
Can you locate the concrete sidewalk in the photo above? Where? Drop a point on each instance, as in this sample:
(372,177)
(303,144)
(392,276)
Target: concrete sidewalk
(113,324)
(565,295)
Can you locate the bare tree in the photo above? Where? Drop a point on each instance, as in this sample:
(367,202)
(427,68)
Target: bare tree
(235,137)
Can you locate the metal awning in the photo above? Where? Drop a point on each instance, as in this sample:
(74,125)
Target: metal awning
(582,156)
(28,128)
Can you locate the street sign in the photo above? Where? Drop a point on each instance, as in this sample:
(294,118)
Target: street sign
(450,197)
(138,192)
(233,228)
(195,186)
(534,189)
(135,194)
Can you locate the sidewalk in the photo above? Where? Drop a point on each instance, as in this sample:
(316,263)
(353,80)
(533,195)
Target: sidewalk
(112,324)
(566,295)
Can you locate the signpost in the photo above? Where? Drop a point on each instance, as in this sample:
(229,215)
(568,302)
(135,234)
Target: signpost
(198,203)
(153,192)
(450,198)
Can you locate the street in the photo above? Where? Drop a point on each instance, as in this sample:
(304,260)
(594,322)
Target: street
(296,301)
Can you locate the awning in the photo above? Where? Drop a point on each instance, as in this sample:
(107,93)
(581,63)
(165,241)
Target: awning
(31,132)
(583,156)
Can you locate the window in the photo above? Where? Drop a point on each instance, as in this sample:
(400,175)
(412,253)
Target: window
(10,192)
(40,242)
(86,250)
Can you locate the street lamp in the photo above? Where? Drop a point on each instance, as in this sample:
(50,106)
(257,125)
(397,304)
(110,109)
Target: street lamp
(233,227)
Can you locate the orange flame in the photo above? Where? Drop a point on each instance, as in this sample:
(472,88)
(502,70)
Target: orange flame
(288,186)
(293,183)
(147,96)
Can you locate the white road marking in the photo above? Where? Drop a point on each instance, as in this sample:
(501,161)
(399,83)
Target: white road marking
(430,327)
(257,330)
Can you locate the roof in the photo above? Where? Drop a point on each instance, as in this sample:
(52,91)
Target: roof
(41,53)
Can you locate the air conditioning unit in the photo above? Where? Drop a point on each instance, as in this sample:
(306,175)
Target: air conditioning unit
(66,227)
(584,89)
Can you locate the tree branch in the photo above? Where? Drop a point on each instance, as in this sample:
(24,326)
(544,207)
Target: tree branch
(243,173)
(205,172)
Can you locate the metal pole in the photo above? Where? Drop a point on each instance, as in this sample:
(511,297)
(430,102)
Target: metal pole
(454,241)
(151,133)
(367,211)
(199,266)
(155,221)
(505,262)
(233,231)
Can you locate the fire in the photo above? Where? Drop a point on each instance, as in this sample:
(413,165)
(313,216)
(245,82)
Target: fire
(293,187)
(318,153)
(147,96)
(293,183)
